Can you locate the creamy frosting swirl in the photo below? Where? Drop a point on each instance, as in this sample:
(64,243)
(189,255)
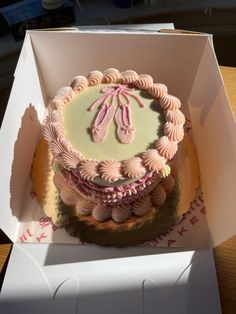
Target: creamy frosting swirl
(142,205)
(121,213)
(152,160)
(169,102)
(52,131)
(168,183)
(84,207)
(89,169)
(144,81)
(68,197)
(158,195)
(71,159)
(101,213)
(166,147)
(110,75)
(94,78)
(165,171)
(174,132)
(175,116)
(79,83)
(64,94)
(128,77)
(58,146)
(157,90)
(110,170)
(133,167)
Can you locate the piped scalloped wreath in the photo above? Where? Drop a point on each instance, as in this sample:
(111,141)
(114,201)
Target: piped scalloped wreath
(119,213)
(151,161)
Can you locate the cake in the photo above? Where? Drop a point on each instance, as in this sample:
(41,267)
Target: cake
(113,137)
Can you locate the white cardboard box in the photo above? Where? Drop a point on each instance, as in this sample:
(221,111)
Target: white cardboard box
(186,63)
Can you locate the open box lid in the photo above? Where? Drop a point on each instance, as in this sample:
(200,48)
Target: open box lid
(43,68)
(72,279)
(69,278)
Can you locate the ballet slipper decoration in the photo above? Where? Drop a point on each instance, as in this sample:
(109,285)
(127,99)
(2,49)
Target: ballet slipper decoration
(100,125)
(125,130)
(102,121)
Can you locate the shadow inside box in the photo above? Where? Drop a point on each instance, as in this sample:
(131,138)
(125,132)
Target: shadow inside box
(23,154)
(161,284)
(74,253)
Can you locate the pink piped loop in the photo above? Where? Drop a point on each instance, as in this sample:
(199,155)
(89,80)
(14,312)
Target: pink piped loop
(79,83)
(89,169)
(64,94)
(110,170)
(158,195)
(142,206)
(168,183)
(94,78)
(153,161)
(133,167)
(166,147)
(175,116)
(101,213)
(174,132)
(157,90)
(128,77)
(110,75)
(121,213)
(144,81)
(169,102)
(70,159)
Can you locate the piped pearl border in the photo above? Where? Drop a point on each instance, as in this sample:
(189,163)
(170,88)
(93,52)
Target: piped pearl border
(151,160)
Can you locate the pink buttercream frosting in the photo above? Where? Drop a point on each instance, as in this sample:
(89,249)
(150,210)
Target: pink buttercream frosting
(110,170)
(89,169)
(128,77)
(94,78)
(101,213)
(169,102)
(133,167)
(142,205)
(71,159)
(64,94)
(84,207)
(144,81)
(175,116)
(166,147)
(153,161)
(168,183)
(110,75)
(121,213)
(58,146)
(158,195)
(157,90)
(79,83)
(68,197)
(174,132)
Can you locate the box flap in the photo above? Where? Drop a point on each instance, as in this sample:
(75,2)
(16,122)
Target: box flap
(20,128)
(57,70)
(214,133)
(183,282)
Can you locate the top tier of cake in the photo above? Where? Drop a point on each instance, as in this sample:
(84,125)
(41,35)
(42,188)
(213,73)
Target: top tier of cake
(114,127)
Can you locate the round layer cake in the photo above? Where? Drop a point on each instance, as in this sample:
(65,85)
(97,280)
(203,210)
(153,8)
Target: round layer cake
(113,137)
